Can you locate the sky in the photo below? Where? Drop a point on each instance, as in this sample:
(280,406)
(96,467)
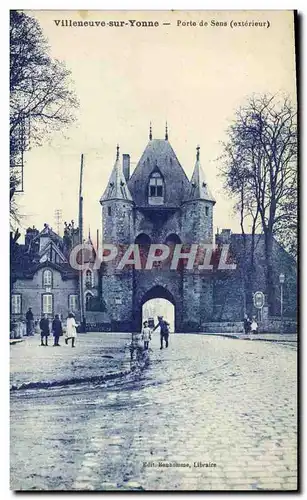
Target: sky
(195,77)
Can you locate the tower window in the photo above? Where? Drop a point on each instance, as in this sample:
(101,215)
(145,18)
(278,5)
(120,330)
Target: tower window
(109,211)
(207,210)
(156,189)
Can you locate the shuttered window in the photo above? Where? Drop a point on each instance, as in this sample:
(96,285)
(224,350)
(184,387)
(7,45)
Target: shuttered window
(47,303)
(47,278)
(73,303)
(16,303)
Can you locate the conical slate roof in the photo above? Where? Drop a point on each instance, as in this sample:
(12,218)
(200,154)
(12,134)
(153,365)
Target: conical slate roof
(199,189)
(117,188)
(159,155)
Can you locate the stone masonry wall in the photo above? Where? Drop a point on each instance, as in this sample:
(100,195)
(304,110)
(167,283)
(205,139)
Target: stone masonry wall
(197,227)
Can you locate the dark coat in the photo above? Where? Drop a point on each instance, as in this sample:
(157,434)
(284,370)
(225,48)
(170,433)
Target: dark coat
(164,325)
(57,327)
(29,316)
(44,326)
(247,324)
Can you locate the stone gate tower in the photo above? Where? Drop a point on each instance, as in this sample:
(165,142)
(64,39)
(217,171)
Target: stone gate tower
(156,204)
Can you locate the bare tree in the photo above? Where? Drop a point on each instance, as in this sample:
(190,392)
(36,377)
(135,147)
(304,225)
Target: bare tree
(41,99)
(260,170)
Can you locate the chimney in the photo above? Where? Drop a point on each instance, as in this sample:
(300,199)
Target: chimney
(30,234)
(126,166)
(225,236)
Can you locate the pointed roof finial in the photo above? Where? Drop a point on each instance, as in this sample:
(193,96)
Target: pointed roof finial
(117,152)
(166,132)
(150,132)
(89,232)
(197,154)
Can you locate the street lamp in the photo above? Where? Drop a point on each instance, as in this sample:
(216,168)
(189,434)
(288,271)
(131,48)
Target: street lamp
(281,281)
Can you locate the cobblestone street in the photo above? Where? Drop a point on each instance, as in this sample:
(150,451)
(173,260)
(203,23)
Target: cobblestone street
(204,400)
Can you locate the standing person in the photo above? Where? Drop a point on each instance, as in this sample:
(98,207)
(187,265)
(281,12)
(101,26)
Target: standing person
(146,335)
(30,322)
(254,325)
(71,329)
(44,326)
(164,331)
(36,327)
(247,324)
(24,328)
(57,330)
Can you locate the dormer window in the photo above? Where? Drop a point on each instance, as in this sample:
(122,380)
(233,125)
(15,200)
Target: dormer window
(156,189)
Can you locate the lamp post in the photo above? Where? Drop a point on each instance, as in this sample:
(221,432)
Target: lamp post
(281,281)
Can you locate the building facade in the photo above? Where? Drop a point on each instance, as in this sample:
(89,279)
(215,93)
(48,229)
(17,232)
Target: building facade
(156,204)
(43,279)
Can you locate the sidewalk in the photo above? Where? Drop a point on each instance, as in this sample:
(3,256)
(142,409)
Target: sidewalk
(96,355)
(269,337)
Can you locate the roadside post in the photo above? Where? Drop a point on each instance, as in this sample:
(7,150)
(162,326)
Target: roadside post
(259,303)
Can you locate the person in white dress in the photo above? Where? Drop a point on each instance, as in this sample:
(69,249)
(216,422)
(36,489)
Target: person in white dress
(71,330)
(254,325)
(146,335)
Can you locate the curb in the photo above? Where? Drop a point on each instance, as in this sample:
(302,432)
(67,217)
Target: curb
(97,379)
(16,341)
(239,337)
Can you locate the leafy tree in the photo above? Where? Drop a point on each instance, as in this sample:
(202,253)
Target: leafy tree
(259,166)
(41,99)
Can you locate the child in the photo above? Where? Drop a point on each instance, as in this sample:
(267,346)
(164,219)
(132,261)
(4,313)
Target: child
(71,330)
(134,346)
(146,335)
(247,324)
(254,325)
(44,326)
(57,330)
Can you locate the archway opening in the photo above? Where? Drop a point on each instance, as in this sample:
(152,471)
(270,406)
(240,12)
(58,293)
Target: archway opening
(172,239)
(143,241)
(158,302)
(159,307)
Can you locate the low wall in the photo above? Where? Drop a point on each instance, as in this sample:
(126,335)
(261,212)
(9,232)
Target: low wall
(222,327)
(273,325)
(270,325)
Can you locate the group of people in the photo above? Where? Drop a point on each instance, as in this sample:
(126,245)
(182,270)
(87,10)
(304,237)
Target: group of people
(164,332)
(56,328)
(250,325)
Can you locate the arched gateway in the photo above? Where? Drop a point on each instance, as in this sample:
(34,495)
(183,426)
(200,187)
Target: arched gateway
(156,292)
(157,204)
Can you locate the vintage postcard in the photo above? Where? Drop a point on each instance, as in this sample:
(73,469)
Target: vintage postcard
(153,250)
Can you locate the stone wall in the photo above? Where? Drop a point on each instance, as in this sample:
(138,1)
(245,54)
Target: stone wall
(117,292)
(117,223)
(197,227)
